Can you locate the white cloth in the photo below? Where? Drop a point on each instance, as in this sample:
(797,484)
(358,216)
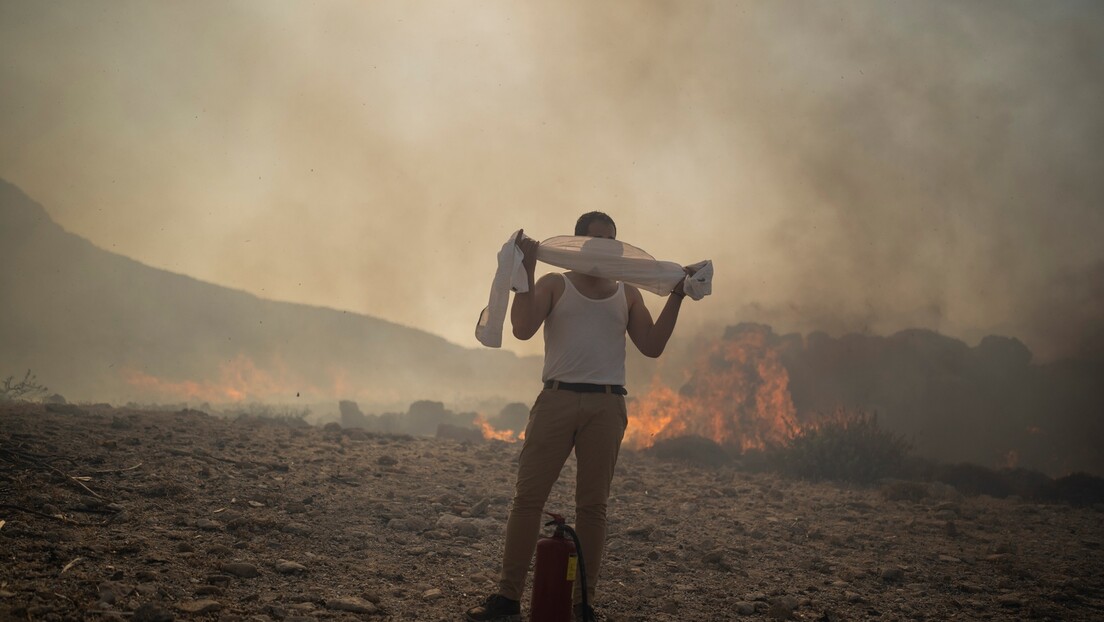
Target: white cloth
(488,330)
(601,257)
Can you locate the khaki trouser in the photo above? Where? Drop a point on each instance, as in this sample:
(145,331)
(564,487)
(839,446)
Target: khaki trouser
(592,423)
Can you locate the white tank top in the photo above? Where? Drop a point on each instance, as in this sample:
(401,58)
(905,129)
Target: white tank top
(584,339)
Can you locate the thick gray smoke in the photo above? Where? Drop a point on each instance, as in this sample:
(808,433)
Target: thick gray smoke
(850,166)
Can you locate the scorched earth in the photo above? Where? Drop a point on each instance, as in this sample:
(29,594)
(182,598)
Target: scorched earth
(114,514)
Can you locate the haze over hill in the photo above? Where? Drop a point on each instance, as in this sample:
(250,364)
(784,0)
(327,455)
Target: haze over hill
(95,325)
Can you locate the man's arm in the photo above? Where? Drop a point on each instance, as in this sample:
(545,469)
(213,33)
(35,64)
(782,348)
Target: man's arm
(651,338)
(529,310)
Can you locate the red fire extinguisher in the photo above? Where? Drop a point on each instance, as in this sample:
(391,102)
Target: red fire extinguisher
(558,558)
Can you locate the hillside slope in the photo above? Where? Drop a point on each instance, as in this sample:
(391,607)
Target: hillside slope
(99,326)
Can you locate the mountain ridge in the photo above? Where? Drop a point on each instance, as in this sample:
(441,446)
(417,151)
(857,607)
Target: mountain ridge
(76,310)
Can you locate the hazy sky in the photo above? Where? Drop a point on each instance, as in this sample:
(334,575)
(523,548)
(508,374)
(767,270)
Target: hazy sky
(848,166)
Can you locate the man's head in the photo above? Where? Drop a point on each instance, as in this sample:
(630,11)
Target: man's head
(596,225)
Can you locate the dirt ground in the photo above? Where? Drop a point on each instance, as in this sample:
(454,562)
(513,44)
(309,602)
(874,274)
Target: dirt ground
(112,514)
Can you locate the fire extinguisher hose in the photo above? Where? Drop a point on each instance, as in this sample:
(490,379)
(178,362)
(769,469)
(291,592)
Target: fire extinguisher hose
(587,615)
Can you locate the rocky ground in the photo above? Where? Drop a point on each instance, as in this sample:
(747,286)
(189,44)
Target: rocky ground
(110,514)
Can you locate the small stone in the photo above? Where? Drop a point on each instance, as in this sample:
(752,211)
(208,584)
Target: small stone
(790,602)
(219,579)
(206,524)
(386,461)
(432,594)
(286,567)
(1010,600)
(199,606)
(351,604)
(894,574)
(152,612)
(459,526)
(782,608)
(713,557)
(185,547)
(240,569)
(745,608)
(480,508)
(112,591)
(755,596)
(220,550)
(298,529)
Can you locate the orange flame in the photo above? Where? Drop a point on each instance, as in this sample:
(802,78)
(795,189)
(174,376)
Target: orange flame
(738,395)
(491,434)
(239,380)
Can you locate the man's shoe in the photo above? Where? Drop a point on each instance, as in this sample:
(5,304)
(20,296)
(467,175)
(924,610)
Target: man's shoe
(496,609)
(584,613)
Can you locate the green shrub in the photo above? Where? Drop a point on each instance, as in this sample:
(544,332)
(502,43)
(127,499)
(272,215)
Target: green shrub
(851,448)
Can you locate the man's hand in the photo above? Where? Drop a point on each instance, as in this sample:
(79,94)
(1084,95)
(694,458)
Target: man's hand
(690,271)
(530,309)
(528,248)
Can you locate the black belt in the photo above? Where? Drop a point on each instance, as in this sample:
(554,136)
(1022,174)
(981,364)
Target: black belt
(582,387)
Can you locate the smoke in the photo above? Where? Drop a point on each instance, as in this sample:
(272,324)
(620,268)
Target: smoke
(852,166)
(947,168)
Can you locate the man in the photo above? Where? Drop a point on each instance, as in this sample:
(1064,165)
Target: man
(582,407)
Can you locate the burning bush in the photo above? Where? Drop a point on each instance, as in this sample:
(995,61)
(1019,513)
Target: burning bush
(737,396)
(848,447)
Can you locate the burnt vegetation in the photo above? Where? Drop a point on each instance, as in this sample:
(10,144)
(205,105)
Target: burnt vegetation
(851,448)
(28,388)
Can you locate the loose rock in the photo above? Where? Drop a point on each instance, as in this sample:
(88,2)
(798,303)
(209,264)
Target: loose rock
(199,606)
(286,567)
(352,604)
(240,569)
